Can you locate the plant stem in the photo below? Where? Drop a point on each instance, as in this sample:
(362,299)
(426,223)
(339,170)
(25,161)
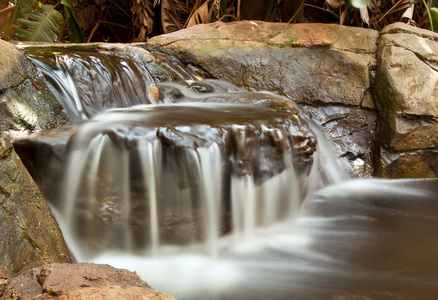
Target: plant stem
(429,15)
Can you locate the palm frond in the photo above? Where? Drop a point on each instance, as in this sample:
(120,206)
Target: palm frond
(200,15)
(171,15)
(33,21)
(143,18)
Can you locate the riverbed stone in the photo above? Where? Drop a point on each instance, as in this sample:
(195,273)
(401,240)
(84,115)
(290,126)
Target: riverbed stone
(406,93)
(80,281)
(29,231)
(316,65)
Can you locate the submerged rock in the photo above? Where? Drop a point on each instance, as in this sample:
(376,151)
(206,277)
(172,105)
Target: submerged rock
(30,235)
(79,281)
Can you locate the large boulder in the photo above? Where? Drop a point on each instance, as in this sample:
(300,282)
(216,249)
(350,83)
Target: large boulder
(79,281)
(30,235)
(313,63)
(326,67)
(406,93)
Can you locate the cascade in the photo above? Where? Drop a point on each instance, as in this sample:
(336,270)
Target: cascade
(209,191)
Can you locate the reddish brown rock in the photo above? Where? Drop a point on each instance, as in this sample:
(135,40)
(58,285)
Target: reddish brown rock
(80,281)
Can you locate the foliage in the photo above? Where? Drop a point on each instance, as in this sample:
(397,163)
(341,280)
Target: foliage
(74,30)
(138,20)
(33,21)
(434,19)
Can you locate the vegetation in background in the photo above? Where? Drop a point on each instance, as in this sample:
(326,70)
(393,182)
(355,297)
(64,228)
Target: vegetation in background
(137,20)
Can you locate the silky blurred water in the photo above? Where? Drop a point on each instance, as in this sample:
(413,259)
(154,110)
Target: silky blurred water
(318,236)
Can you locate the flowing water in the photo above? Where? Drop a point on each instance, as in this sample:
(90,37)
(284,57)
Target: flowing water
(210,200)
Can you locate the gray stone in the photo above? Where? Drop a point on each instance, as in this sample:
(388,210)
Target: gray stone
(352,131)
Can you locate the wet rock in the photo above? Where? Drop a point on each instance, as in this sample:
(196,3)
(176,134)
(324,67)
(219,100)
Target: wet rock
(407,98)
(24,107)
(30,234)
(87,79)
(408,164)
(318,65)
(25,103)
(79,281)
(43,153)
(353,131)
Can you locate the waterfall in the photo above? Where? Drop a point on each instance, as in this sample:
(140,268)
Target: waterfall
(189,181)
(135,183)
(86,82)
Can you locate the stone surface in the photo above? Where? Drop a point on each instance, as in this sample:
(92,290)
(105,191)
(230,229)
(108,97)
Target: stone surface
(313,63)
(30,235)
(25,108)
(406,80)
(80,281)
(352,131)
(43,154)
(406,93)
(408,164)
(13,66)
(25,103)
(323,66)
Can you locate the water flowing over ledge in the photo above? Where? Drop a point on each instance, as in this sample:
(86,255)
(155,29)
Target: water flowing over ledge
(204,200)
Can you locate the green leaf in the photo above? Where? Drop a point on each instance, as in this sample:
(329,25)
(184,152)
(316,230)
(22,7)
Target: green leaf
(359,3)
(74,30)
(434,18)
(34,21)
